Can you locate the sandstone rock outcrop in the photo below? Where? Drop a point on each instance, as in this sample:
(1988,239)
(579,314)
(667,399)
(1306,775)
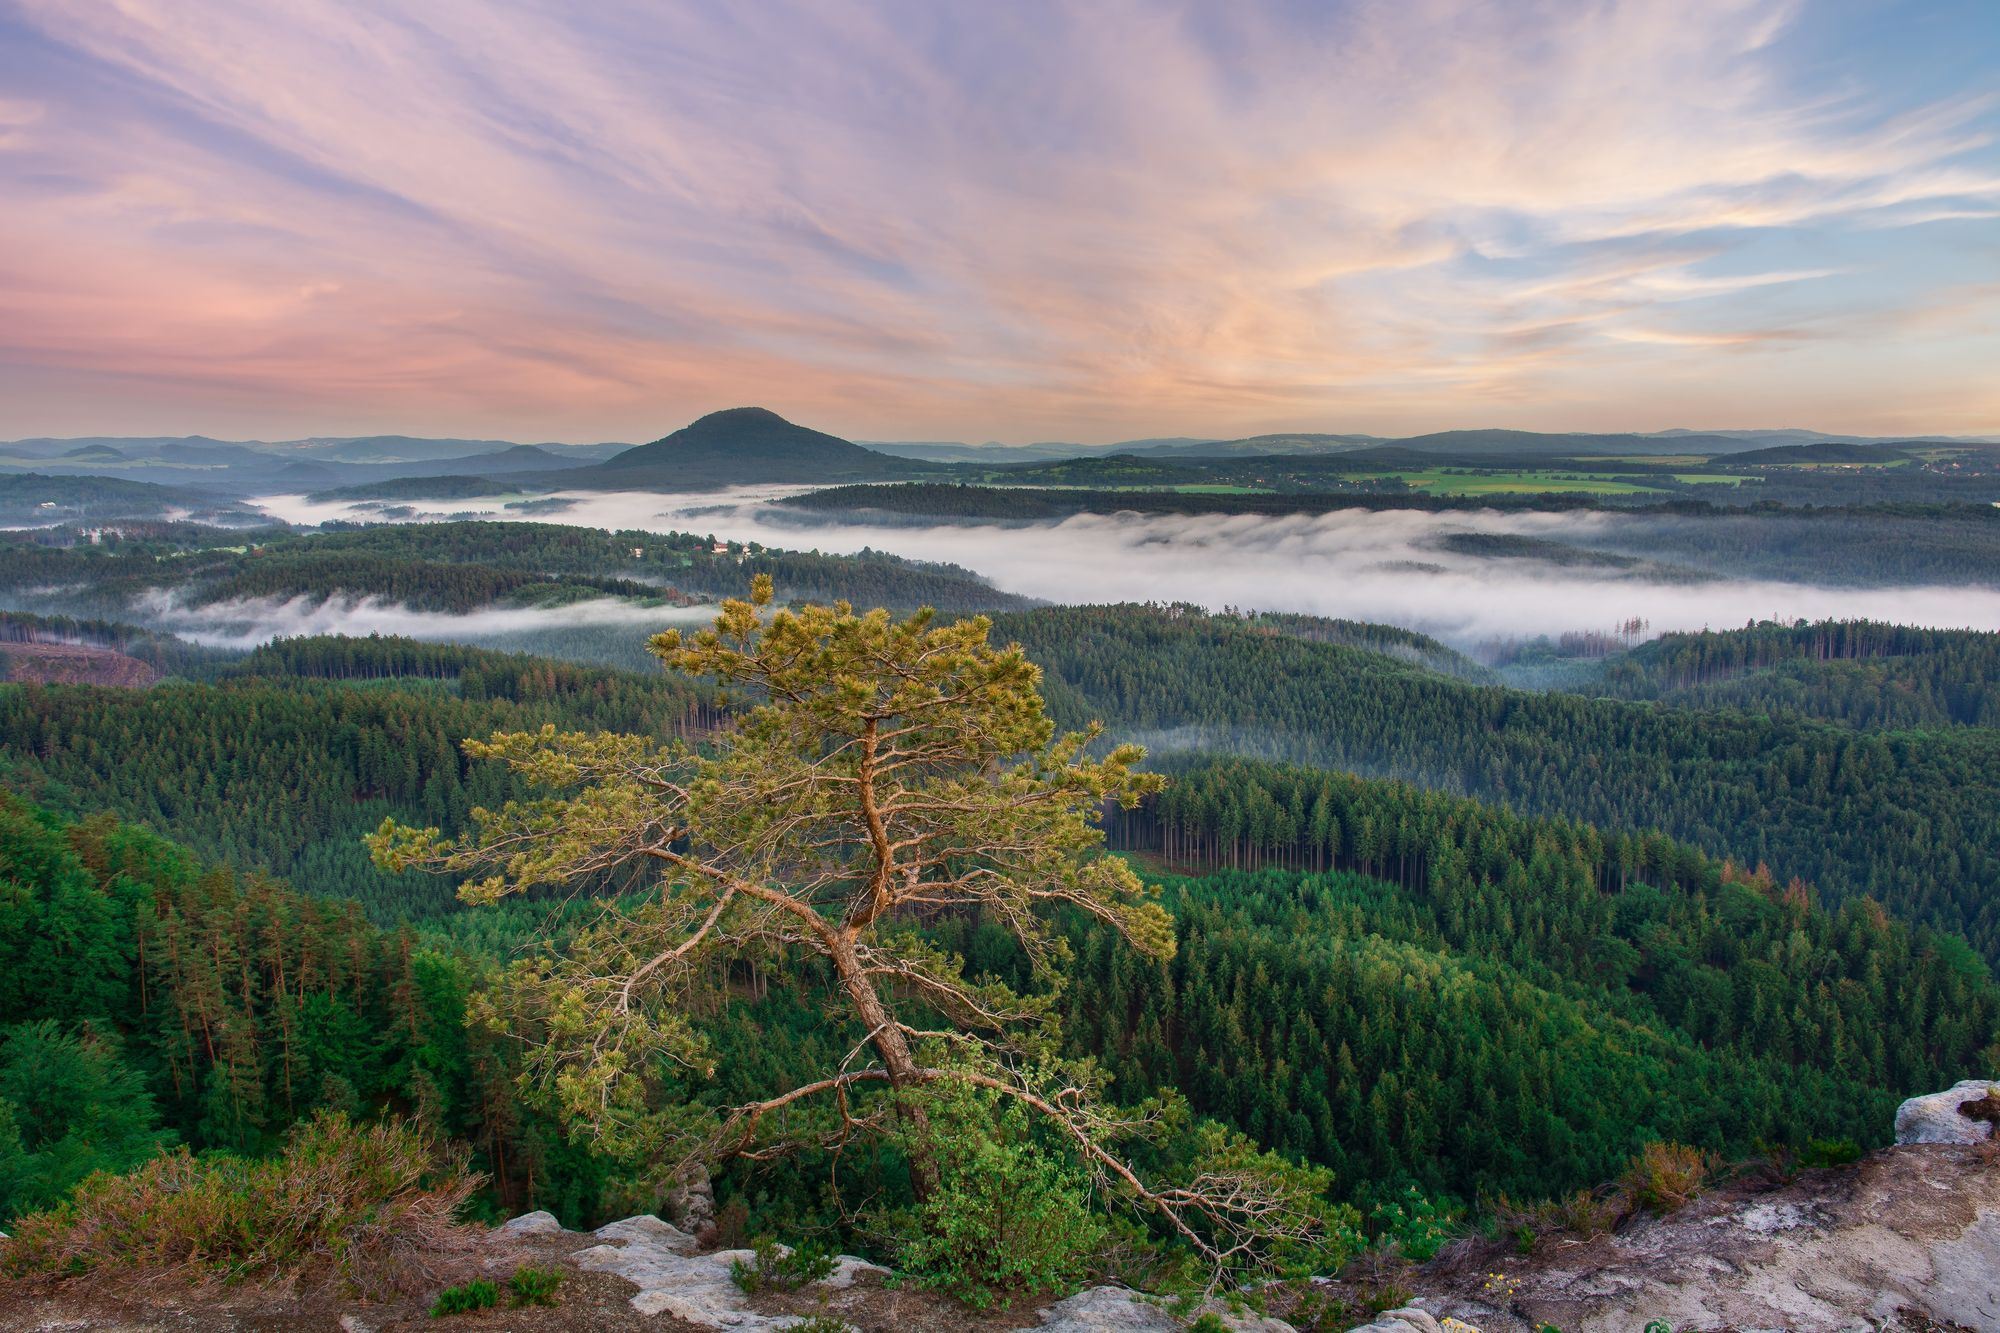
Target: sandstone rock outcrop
(1968,1112)
(1906,1239)
(1408,1319)
(673,1278)
(1116,1310)
(530,1224)
(691,1204)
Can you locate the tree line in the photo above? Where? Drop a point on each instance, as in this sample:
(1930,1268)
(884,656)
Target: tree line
(1858,673)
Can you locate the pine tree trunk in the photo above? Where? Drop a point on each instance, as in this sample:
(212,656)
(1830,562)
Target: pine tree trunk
(890,1044)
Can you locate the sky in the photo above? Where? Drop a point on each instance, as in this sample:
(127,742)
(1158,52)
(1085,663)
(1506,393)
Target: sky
(935,220)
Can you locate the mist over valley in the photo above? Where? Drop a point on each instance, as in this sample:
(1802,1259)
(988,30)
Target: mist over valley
(1550,573)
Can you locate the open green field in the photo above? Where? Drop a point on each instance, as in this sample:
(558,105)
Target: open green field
(1818,466)
(1184,488)
(1665,460)
(1536,482)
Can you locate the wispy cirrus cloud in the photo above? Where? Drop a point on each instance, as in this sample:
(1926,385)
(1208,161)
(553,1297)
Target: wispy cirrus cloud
(1031,220)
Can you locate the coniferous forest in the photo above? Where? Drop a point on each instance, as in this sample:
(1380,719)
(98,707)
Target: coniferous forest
(1439,925)
(1476,1003)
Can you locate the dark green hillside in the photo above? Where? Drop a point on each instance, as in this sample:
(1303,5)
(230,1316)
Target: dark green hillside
(192,1003)
(463,566)
(1111,471)
(1911,818)
(1824,451)
(35,497)
(1857,673)
(1419,986)
(739,446)
(1516,1009)
(284,763)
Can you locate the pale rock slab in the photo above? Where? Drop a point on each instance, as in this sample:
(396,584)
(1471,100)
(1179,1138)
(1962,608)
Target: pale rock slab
(1842,1251)
(1935,1118)
(660,1260)
(530,1224)
(1117,1310)
(646,1227)
(1407,1319)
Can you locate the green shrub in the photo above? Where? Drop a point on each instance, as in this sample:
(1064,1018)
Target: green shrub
(478,1294)
(1208,1323)
(533,1284)
(1009,1218)
(1829,1152)
(1414,1224)
(775,1267)
(361,1198)
(1315,1309)
(820,1323)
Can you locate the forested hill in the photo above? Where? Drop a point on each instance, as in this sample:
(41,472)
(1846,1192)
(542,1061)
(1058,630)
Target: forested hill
(1855,672)
(1506,963)
(741,445)
(283,764)
(1511,1018)
(457,568)
(1911,818)
(34,497)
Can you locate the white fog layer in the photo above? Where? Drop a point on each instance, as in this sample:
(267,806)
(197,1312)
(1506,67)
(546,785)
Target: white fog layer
(247,622)
(1381,566)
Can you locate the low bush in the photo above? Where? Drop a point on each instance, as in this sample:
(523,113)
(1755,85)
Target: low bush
(1583,1213)
(478,1294)
(1315,1309)
(1665,1177)
(775,1267)
(1662,1178)
(1009,1218)
(1829,1152)
(374,1203)
(1417,1226)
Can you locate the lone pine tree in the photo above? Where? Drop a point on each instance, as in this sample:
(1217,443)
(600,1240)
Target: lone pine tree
(881,771)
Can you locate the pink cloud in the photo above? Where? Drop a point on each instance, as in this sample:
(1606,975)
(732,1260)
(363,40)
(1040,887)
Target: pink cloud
(1092,221)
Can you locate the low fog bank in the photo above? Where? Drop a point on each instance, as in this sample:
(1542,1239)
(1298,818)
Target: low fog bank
(249,622)
(1384,566)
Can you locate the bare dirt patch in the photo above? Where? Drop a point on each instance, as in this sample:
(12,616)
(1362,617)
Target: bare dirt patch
(73,664)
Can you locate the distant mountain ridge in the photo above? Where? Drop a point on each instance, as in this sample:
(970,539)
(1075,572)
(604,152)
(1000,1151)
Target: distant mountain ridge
(753,445)
(234,468)
(1456,443)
